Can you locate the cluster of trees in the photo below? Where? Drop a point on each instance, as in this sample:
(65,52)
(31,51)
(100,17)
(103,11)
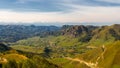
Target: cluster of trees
(3,47)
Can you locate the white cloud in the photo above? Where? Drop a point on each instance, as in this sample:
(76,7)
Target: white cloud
(78,14)
(24,1)
(112,1)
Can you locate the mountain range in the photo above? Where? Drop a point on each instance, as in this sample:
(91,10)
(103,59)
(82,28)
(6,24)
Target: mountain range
(69,46)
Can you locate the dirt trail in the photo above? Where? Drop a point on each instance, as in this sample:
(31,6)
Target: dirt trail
(102,54)
(89,64)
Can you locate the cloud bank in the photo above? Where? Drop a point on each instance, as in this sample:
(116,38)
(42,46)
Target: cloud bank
(61,11)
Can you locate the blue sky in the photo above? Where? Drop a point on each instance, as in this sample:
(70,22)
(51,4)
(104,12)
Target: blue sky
(29,11)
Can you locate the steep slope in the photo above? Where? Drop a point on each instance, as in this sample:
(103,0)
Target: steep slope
(84,33)
(98,58)
(75,31)
(74,40)
(111,56)
(105,34)
(93,34)
(84,46)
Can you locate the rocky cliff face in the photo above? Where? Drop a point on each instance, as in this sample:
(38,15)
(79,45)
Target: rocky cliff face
(76,31)
(87,33)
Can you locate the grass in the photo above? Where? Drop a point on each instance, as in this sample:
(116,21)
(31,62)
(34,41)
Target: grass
(16,57)
(59,61)
(65,41)
(111,56)
(66,45)
(64,63)
(28,48)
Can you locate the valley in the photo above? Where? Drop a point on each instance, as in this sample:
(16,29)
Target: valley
(69,46)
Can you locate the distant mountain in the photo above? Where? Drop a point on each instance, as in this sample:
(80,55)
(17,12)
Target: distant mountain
(78,46)
(12,33)
(106,34)
(75,30)
(75,35)
(93,33)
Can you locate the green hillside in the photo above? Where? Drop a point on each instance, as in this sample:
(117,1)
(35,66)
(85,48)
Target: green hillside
(15,59)
(106,34)
(111,56)
(76,46)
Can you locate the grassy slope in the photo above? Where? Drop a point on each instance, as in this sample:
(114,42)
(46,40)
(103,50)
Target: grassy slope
(16,57)
(64,63)
(37,44)
(28,48)
(103,36)
(111,56)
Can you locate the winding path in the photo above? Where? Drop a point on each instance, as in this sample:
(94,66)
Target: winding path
(89,64)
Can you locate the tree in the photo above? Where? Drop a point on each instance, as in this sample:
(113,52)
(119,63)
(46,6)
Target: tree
(47,51)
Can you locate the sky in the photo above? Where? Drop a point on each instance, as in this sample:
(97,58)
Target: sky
(60,11)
